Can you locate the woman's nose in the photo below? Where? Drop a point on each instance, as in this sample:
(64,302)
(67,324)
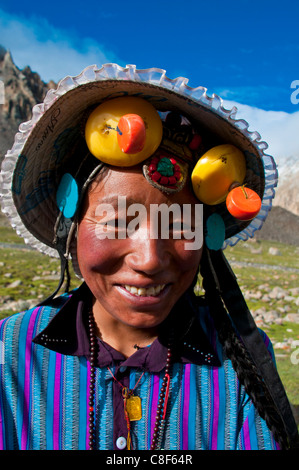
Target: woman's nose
(149,255)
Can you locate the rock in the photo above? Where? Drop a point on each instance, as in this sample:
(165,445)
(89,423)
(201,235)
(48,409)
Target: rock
(294,291)
(282,345)
(277,293)
(19,305)
(292,317)
(271,316)
(51,277)
(256,251)
(274,251)
(289,298)
(14,284)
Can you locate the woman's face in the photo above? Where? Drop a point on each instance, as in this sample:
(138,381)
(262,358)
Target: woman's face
(135,277)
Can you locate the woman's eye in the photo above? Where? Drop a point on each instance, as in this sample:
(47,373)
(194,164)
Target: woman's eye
(180,229)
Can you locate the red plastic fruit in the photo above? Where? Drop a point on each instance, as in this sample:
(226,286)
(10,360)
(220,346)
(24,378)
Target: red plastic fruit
(131,133)
(243,203)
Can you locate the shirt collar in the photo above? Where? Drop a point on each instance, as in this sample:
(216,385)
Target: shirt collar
(67,333)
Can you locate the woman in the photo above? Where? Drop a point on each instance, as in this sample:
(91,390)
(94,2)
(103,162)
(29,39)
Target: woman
(141,181)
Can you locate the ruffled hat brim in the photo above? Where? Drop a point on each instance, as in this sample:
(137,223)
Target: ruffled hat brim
(32,169)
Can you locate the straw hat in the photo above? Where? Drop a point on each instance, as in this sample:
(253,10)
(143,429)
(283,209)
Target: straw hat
(43,148)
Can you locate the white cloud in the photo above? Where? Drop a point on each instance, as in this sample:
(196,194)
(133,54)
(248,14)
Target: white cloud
(279,129)
(51,52)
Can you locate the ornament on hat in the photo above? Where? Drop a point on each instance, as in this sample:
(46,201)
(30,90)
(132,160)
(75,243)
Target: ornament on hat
(123,131)
(165,170)
(219,175)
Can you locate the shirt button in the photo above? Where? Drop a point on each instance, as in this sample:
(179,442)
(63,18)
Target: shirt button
(122,369)
(121,443)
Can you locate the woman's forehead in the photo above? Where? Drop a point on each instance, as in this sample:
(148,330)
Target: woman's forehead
(131,183)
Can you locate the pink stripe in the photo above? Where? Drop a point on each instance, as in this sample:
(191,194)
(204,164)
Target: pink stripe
(186,406)
(155,398)
(215,413)
(246,435)
(26,404)
(57,402)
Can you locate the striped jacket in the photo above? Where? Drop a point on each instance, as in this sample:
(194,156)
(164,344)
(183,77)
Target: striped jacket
(44,389)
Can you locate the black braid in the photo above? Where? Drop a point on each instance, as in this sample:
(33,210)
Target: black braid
(242,364)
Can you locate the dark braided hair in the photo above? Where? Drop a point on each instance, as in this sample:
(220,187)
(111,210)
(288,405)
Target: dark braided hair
(235,350)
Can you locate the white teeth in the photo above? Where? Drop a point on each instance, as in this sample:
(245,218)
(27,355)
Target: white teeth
(144,292)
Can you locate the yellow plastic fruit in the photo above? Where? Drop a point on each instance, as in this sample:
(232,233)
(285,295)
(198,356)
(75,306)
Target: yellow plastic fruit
(102,132)
(215,172)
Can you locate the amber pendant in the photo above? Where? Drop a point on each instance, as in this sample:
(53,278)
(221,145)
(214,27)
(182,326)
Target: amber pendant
(133,407)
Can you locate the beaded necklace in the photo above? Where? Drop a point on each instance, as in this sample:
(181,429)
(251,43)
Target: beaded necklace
(163,396)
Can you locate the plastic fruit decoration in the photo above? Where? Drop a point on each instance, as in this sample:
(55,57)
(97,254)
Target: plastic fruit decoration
(218,176)
(243,203)
(123,131)
(216,171)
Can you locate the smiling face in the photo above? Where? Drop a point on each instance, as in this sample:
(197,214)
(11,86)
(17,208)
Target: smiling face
(136,279)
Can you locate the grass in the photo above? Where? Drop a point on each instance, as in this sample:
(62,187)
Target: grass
(36,274)
(253,278)
(39,274)
(258,252)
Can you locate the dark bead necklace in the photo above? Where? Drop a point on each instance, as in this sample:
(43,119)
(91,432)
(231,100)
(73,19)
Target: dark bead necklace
(163,397)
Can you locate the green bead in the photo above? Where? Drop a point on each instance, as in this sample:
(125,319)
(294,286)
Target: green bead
(165,167)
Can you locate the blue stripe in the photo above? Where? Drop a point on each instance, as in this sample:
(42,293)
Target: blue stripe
(83,404)
(21,372)
(222,416)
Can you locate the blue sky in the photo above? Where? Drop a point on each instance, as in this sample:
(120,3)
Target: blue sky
(247,51)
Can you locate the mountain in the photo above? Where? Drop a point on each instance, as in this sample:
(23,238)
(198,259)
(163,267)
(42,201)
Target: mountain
(281,225)
(287,192)
(22,90)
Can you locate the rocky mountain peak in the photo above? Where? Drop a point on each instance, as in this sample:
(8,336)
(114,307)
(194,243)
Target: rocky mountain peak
(22,90)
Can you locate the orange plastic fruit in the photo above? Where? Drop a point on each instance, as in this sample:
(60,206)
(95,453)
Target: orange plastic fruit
(243,203)
(131,133)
